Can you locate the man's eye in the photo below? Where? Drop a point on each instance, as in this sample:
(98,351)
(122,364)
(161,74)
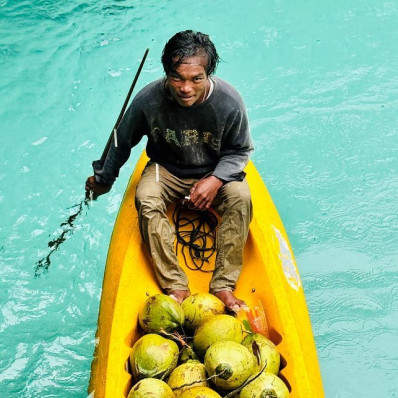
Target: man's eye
(198,79)
(175,78)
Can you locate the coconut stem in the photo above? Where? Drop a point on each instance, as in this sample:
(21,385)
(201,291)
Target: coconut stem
(188,384)
(175,336)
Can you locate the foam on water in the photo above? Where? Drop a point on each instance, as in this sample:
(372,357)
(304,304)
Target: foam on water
(320,83)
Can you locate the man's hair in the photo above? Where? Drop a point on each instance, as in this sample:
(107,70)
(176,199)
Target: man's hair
(189,43)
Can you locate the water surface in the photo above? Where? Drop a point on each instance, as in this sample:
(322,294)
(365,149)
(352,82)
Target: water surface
(320,83)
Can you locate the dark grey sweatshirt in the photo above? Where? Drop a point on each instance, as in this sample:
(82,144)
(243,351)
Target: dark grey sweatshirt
(190,142)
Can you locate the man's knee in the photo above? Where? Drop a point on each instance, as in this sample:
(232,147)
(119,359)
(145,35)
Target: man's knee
(148,198)
(237,193)
(149,206)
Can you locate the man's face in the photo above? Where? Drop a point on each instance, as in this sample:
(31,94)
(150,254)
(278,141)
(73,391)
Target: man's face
(188,83)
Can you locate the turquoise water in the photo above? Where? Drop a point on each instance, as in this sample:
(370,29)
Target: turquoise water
(320,81)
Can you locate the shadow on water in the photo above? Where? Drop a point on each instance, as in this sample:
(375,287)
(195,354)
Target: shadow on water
(67,228)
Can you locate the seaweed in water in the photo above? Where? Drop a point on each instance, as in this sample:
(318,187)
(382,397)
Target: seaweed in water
(67,228)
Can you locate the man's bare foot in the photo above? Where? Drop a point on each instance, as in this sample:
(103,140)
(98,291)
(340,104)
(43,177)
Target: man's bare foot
(179,295)
(231,302)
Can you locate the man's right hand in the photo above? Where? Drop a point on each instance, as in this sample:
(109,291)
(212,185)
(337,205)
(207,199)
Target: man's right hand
(95,189)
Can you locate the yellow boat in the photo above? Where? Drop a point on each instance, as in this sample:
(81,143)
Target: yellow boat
(269,276)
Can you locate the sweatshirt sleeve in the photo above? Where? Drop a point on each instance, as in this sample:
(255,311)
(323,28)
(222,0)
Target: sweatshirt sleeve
(236,147)
(129,134)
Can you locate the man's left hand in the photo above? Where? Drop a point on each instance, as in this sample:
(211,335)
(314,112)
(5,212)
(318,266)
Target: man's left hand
(204,191)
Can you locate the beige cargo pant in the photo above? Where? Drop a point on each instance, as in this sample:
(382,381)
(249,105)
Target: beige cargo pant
(155,191)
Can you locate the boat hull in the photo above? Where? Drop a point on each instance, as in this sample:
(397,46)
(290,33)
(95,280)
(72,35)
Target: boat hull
(269,276)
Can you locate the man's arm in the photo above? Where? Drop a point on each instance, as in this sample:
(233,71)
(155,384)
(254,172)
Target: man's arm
(236,148)
(107,170)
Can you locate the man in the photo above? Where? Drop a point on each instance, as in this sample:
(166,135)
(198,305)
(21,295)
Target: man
(198,144)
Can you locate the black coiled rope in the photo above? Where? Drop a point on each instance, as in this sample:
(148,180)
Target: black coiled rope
(196,234)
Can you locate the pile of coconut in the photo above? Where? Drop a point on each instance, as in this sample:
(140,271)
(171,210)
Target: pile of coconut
(195,350)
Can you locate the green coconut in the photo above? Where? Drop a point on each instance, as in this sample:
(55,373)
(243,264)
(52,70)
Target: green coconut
(153,356)
(264,350)
(161,312)
(199,307)
(267,385)
(151,388)
(199,392)
(190,374)
(231,363)
(217,328)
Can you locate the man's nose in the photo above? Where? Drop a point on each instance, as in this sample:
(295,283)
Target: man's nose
(185,86)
